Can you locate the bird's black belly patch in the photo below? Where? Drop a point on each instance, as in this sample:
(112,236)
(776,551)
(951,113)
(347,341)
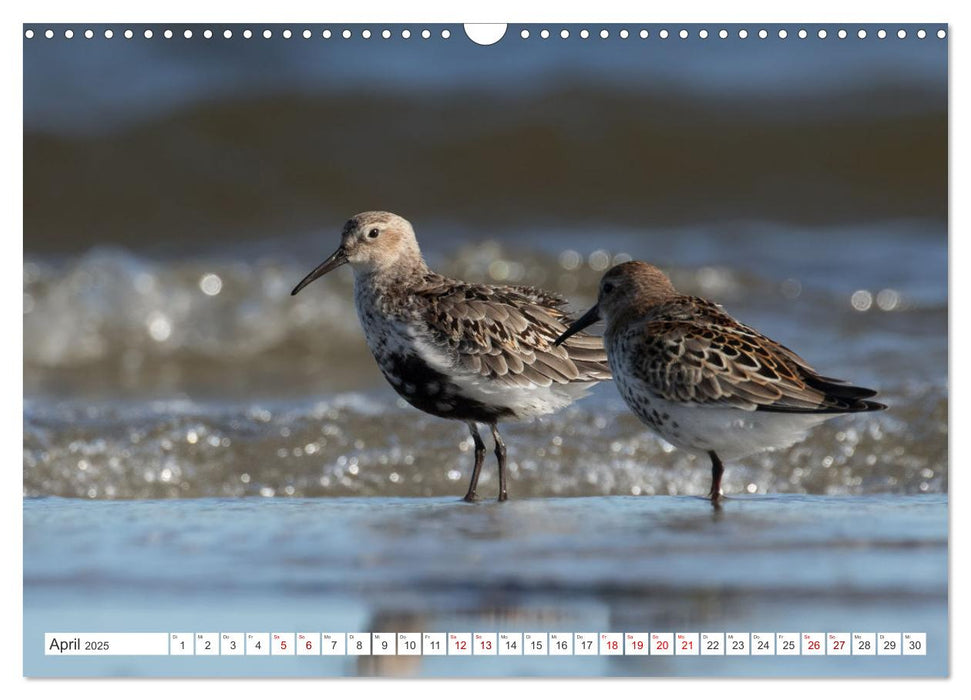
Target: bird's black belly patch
(430,391)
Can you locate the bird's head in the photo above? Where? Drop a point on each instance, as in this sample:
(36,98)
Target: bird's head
(373,242)
(626,289)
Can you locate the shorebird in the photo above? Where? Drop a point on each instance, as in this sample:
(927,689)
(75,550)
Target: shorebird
(476,353)
(703,381)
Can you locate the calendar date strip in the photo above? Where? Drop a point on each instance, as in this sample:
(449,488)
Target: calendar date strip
(485,644)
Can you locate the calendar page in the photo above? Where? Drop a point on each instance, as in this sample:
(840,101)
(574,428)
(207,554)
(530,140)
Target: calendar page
(515,350)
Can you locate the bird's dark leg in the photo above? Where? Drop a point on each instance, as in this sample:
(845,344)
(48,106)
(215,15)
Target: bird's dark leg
(501,456)
(716,478)
(479,456)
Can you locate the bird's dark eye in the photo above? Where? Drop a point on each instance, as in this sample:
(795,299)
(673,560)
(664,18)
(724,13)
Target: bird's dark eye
(373,233)
(608,288)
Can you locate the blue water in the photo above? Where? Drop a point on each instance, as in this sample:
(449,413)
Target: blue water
(622,564)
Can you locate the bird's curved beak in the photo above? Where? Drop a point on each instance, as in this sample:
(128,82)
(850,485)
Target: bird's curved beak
(588,319)
(333,262)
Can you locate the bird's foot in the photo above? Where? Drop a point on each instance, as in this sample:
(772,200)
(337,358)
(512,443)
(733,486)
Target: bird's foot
(470,497)
(716,499)
(503,496)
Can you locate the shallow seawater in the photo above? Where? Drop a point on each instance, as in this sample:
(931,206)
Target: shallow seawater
(367,445)
(635,564)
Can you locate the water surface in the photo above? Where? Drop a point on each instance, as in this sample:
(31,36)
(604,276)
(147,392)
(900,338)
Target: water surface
(622,564)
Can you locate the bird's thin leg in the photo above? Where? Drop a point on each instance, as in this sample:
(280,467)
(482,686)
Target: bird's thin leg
(716,478)
(501,456)
(479,456)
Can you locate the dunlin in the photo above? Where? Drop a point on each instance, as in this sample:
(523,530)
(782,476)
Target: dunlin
(475,353)
(702,380)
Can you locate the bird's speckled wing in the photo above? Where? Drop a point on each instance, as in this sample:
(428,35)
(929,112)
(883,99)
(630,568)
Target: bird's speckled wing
(507,333)
(689,350)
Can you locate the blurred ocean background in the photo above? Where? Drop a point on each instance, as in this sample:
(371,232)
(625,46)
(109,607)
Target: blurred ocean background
(175,190)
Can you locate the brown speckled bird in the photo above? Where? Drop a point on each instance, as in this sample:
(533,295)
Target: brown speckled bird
(471,352)
(702,380)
